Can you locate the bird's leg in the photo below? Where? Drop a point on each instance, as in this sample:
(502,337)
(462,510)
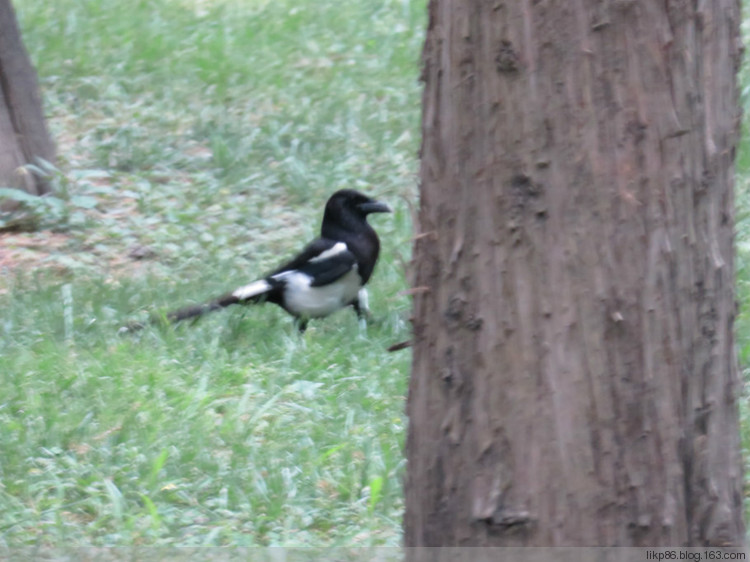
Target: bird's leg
(362,305)
(362,308)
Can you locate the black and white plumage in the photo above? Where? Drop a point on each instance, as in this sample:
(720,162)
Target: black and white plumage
(328,274)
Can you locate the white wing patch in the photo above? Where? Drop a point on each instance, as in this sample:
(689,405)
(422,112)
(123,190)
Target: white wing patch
(252,290)
(336,249)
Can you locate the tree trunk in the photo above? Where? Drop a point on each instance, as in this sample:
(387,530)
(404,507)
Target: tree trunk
(24,137)
(574,378)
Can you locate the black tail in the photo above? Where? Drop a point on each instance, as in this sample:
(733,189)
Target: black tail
(185,313)
(252,293)
(201,309)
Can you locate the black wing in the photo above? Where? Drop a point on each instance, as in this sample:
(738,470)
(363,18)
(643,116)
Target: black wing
(323,260)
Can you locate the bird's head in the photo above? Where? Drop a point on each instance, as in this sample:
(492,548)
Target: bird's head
(348,203)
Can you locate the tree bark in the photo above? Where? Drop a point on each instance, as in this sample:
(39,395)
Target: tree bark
(574,379)
(24,137)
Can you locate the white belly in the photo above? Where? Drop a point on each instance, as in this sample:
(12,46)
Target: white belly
(312,302)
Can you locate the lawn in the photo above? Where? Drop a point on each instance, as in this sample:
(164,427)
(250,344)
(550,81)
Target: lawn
(198,141)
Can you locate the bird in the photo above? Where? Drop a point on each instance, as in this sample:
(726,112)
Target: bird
(327,275)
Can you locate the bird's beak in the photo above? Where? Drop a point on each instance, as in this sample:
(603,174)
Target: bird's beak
(375,207)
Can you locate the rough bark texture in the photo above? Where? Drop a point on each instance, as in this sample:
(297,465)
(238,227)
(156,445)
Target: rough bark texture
(23,133)
(574,380)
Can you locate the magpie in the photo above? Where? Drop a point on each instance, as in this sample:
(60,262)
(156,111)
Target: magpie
(328,274)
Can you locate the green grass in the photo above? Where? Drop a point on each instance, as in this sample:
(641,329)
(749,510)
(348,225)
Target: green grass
(207,135)
(742,263)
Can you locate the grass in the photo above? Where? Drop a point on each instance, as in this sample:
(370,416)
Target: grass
(198,141)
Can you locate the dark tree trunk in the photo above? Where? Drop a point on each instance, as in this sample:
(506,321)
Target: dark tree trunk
(574,379)
(24,137)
